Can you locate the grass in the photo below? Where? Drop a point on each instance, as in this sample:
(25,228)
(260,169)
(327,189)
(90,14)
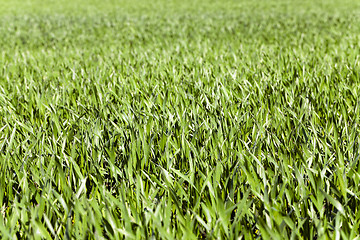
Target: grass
(179,119)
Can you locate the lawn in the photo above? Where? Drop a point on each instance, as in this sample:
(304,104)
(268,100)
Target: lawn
(179,119)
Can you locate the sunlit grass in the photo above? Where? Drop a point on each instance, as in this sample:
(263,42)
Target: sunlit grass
(179,120)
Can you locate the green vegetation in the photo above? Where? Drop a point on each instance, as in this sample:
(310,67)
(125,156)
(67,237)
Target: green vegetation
(179,119)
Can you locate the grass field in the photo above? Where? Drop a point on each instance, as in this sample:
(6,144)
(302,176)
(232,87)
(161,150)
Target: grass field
(179,119)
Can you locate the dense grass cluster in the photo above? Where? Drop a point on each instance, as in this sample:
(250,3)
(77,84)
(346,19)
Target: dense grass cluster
(179,119)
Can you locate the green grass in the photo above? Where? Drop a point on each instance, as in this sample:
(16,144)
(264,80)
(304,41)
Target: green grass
(179,119)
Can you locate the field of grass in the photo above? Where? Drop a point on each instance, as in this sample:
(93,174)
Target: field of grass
(179,119)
